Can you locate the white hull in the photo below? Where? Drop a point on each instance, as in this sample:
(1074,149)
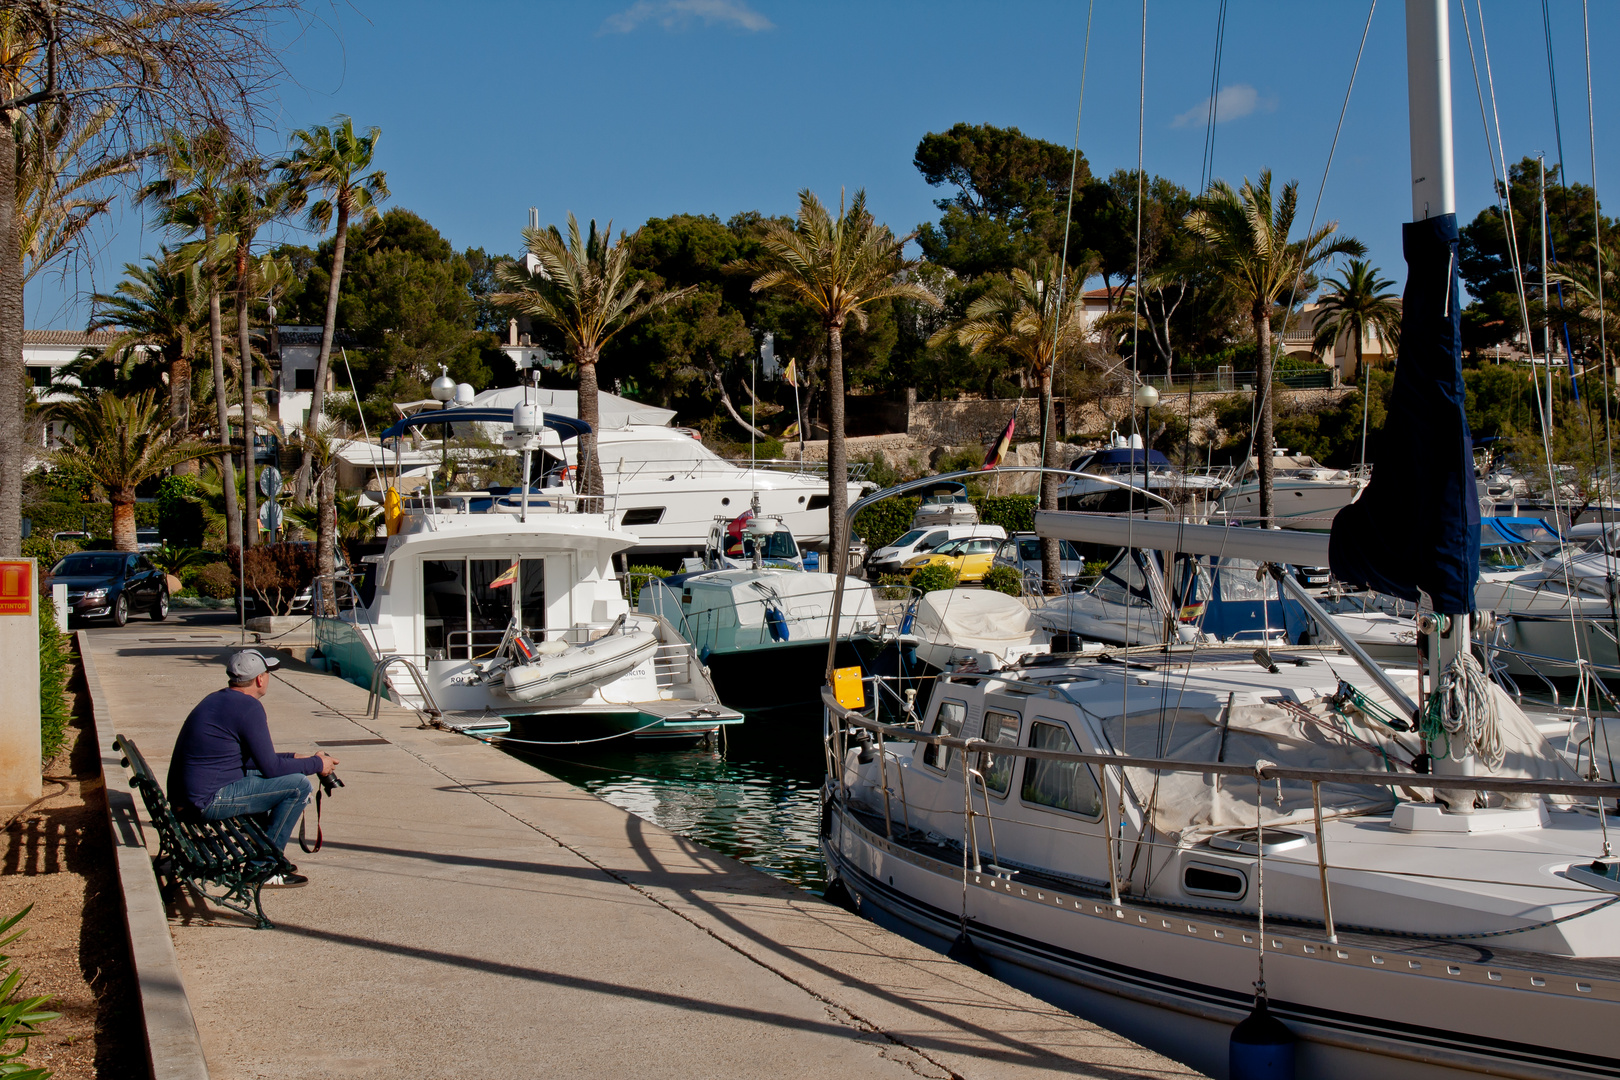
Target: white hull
(1297,504)
(1177,981)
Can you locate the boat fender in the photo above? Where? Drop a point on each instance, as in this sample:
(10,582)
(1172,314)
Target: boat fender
(1262,1047)
(703,656)
(963,951)
(777,623)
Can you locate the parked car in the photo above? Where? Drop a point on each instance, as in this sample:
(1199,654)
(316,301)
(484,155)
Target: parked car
(1313,577)
(891,559)
(1022,552)
(970,557)
(112,585)
(148,540)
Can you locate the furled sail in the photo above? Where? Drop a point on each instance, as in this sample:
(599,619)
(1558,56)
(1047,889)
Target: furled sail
(1416,527)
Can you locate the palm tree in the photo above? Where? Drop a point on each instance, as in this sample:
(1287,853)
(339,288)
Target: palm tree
(581,289)
(162,307)
(1039,320)
(1356,305)
(60,181)
(196,171)
(120,443)
(249,204)
(839,267)
(1245,235)
(354,520)
(332,160)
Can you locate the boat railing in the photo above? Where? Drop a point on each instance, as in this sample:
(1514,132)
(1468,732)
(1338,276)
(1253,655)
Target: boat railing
(379,681)
(840,736)
(331,594)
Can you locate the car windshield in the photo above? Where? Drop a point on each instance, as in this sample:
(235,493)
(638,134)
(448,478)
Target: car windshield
(90,564)
(949,547)
(909,538)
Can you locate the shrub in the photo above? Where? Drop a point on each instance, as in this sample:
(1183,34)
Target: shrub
(179,509)
(638,576)
(54,664)
(883,523)
(1015,513)
(276,573)
(49,552)
(892,587)
(94,518)
(20,1016)
(216,580)
(1004,579)
(934,576)
(178,560)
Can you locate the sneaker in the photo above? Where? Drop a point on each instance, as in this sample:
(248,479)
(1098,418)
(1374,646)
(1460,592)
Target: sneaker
(285,881)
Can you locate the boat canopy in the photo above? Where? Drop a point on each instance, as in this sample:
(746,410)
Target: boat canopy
(976,619)
(1522,530)
(566,427)
(1119,455)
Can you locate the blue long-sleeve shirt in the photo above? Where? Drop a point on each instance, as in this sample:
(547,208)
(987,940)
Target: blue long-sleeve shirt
(225,735)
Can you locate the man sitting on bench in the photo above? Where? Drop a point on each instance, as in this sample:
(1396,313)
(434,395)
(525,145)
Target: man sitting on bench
(225,765)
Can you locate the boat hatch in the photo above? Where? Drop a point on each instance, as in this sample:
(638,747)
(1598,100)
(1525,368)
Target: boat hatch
(1224,882)
(1246,842)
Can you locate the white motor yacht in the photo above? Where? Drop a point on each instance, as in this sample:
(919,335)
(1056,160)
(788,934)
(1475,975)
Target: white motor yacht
(492,612)
(1305,495)
(1117,476)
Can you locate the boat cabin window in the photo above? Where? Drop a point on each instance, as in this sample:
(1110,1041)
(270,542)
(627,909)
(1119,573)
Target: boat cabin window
(1060,785)
(1238,581)
(948,721)
(1000,728)
(465,613)
(1123,583)
(774,545)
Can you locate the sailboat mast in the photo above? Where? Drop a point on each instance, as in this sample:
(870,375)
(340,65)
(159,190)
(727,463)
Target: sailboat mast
(1428,91)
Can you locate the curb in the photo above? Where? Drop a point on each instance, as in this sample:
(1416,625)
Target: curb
(173,1044)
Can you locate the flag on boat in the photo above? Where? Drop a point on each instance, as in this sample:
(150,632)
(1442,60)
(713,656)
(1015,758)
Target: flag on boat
(993,459)
(509,577)
(790,374)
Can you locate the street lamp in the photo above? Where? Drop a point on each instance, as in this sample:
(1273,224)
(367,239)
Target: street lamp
(1146,397)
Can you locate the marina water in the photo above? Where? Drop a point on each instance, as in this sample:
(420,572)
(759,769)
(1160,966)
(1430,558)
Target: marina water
(754,797)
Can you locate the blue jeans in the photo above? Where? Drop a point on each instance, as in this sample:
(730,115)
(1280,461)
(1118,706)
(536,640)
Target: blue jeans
(282,797)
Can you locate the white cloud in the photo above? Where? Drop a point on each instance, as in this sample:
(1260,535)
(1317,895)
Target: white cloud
(680,14)
(1231,103)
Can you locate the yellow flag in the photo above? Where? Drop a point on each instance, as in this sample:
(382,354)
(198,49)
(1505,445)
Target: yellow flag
(508,578)
(792,431)
(791,375)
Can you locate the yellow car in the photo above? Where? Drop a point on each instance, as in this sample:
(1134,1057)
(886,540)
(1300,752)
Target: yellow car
(970,557)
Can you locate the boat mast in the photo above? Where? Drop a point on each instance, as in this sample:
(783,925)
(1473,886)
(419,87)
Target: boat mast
(1434,195)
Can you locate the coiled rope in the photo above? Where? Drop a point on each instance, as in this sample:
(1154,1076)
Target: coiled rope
(1463,711)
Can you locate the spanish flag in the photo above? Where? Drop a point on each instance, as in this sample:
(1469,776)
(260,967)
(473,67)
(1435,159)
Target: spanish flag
(993,458)
(508,578)
(790,374)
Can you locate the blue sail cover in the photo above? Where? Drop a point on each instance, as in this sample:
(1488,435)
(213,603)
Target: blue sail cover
(1425,474)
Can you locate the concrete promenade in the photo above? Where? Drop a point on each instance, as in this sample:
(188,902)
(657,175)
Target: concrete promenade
(473,916)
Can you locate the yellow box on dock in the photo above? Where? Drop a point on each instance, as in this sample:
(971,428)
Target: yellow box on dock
(848,688)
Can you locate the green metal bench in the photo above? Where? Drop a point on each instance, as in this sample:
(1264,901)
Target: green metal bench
(235,854)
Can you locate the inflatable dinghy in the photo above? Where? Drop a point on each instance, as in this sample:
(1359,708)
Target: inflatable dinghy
(557,668)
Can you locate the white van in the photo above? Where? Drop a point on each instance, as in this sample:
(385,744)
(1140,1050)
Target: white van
(889,560)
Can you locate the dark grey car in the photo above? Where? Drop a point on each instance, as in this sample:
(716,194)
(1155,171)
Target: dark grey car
(1022,552)
(112,585)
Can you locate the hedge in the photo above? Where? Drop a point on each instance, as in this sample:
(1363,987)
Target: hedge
(53,676)
(1004,579)
(53,517)
(882,524)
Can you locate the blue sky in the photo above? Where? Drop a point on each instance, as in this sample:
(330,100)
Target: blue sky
(639,108)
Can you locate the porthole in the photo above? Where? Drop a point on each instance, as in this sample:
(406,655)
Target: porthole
(725,502)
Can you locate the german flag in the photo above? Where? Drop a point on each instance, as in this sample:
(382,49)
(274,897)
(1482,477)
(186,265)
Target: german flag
(993,458)
(509,577)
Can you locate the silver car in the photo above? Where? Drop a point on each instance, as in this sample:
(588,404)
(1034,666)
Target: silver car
(1022,552)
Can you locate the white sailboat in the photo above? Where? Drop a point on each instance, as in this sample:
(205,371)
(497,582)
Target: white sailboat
(1279,862)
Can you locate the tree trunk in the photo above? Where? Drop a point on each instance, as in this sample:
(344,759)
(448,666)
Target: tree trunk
(588,476)
(13,381)
(837,454)
(244,351)
(216,343)
(1051,564)
(323,361)
(326,532)
(1264,414)
(1359,360)
(180,407)
(123,519)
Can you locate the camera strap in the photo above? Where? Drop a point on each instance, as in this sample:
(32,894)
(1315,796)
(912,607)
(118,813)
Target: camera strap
(302,843)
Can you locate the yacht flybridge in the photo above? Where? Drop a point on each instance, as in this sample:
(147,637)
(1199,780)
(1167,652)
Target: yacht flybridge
(500,610)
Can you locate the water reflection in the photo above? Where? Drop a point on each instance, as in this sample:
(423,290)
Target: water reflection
(757,803)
